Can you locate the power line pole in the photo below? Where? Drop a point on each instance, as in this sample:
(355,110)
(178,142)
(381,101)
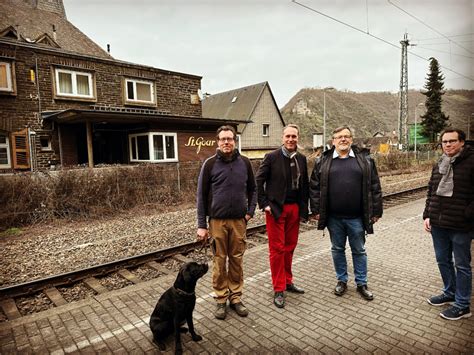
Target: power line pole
(403,95)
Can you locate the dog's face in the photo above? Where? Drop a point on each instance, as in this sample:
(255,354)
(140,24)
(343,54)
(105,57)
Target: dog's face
(193,271)
(189,274)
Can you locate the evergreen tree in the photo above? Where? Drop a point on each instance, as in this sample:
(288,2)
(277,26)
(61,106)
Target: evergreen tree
(434,120)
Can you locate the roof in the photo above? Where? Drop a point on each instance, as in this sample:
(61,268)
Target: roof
(125,115)
(32,25)
(237,104)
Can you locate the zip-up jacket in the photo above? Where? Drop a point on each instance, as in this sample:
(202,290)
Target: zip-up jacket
(371,189)
(226,188)
(455,212)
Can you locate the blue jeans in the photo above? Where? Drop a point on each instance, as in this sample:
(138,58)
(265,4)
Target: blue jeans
(457,276)
(353,228)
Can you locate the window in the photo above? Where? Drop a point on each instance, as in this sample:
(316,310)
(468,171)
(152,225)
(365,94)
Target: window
(137,91)
(265,130)
(45,143)
(6,78)
(153,147)
(74,84)
(4,151)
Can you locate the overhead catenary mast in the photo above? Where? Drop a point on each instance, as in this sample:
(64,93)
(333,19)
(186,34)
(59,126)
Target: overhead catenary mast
(403,95)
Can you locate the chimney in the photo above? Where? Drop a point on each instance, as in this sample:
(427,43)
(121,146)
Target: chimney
(108,48)
(55,6)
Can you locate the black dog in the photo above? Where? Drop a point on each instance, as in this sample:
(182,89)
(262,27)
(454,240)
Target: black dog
(176,306)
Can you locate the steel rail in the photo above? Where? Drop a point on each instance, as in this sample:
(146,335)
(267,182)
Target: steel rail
(68,278)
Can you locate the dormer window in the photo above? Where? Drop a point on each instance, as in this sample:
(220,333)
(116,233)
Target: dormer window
(139,92)
(74,84)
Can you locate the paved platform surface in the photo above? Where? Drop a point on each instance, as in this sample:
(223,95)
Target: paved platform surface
(402,274)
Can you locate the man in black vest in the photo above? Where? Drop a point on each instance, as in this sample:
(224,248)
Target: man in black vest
(346,197)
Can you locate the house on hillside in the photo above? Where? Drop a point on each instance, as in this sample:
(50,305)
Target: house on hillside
(64,101)
(256,105)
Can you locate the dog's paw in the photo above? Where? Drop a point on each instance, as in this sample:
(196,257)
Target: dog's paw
(183,330)
(160,344)
(196,337)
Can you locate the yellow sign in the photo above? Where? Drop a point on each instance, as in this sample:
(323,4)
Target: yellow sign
(199,142)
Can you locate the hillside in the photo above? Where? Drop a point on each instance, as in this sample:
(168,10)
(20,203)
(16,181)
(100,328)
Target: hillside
(368,113)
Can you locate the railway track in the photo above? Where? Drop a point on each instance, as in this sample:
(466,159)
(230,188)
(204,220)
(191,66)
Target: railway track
(90,277)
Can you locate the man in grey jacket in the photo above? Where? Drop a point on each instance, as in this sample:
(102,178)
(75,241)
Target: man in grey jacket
(227,195)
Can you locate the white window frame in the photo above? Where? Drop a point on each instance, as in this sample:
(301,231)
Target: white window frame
(265,129)
(135,100)
(9,87)
(74,74)
(151,148)
(6,145)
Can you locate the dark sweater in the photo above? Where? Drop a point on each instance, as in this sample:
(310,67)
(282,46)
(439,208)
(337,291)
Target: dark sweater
(226,188)
(345,188)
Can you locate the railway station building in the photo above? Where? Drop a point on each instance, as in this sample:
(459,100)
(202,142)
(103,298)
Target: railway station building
(65,101)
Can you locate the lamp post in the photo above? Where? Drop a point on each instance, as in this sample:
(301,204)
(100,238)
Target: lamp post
(416,117)
(324,120)
(324,115)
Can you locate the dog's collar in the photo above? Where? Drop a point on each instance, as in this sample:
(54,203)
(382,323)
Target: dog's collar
(183,293)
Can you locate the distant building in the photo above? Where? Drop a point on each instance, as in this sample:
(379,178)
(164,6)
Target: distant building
(255,105)
(64,101)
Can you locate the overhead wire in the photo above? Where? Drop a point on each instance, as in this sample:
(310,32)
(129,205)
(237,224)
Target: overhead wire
(440,51)
(430,27)
(373,36)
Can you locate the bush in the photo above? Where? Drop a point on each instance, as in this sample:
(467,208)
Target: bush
(31,197)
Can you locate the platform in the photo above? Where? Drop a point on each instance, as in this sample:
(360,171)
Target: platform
(402,274)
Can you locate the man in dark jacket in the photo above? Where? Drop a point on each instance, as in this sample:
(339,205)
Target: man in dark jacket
(346,197)
(227,195)
(449,216)
(282,185)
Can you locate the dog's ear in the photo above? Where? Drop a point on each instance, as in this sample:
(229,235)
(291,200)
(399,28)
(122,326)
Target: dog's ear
(180,281)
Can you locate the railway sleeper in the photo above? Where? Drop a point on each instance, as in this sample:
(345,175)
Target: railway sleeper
(127,275)
(10,309)
(181,258)
(55,296)
(95,285)
(155,266)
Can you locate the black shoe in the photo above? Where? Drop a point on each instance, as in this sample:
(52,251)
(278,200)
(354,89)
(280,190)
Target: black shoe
(440,300)
(279,299)
(341,288)
(240,309)
(455,313)
(364,292)
(294,289)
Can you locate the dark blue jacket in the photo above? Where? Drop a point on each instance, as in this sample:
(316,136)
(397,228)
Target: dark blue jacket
(226,188)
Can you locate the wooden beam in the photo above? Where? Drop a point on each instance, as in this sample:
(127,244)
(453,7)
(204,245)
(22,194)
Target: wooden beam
(90,152)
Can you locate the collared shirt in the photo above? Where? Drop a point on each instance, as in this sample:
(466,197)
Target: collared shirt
(336,155)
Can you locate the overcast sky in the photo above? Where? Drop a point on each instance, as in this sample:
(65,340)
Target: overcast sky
(235,43)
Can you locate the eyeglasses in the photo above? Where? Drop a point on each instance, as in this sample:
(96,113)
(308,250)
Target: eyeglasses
(451,141)
(343,137)
(226,140)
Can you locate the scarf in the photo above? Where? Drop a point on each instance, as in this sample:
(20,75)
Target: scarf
(294,168)
(445,167)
